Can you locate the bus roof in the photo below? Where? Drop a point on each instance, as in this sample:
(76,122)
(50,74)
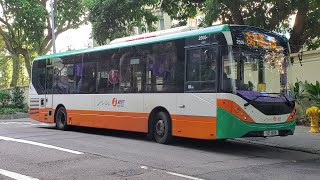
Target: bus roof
(198,32)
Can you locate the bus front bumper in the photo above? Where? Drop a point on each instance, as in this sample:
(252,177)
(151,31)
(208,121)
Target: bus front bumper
(229,126)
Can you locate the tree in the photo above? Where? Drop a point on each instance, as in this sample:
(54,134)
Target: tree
(272,15)
(25,26)
(112,18)
(4,63)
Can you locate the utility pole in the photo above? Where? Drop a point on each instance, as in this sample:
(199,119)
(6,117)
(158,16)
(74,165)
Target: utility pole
(53,33)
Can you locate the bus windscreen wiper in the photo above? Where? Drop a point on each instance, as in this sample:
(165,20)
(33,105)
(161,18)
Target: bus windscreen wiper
(252,100)
(279,94)
(287,100)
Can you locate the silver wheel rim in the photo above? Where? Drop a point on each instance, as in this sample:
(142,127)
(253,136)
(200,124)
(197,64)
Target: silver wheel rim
(160,128)
(62,118)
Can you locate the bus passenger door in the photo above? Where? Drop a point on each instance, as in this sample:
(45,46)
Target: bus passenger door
(196,109)
(49,92)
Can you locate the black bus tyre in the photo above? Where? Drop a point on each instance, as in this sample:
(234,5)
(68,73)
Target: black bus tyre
(162,128)
(61,119)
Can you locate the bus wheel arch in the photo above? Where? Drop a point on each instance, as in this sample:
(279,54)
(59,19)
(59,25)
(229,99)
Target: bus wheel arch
(160,116)
(60,117)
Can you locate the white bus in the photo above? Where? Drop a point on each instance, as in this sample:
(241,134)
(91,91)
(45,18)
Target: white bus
(220,82)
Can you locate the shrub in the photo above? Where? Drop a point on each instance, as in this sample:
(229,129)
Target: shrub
(313,92)
(25,108)
(8,110)
(5,98)
(305,95)
(18,98)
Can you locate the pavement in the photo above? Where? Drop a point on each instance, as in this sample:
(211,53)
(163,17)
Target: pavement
(302,140)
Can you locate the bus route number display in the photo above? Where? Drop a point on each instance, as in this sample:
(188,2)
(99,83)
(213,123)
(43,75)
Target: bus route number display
(260,40)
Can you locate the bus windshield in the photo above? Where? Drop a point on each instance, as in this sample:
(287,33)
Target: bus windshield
(255,70)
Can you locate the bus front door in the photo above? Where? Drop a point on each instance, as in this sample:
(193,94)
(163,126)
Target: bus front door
(48,101)
(197,105)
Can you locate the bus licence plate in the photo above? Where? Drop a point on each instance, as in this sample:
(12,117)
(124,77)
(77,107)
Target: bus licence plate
(271,133)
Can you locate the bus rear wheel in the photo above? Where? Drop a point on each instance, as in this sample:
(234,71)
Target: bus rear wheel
(162,128)
(61,119)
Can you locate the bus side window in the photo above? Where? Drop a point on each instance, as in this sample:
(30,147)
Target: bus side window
(108,71)
(39,76)
(133,70)
(161,67)
(63,75)
(202,69)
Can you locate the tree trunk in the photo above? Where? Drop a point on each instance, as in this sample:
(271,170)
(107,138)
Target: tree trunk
(15,70)
(27,62)
(296,38)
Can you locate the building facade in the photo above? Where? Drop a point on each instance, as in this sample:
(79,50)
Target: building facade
(307,69)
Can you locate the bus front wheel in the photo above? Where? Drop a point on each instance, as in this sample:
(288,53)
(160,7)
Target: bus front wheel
(61,119)
(162,128)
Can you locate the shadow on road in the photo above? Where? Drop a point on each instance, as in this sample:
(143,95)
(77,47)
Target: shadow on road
(234,147)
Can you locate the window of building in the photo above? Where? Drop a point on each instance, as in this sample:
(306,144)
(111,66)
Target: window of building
(162,24)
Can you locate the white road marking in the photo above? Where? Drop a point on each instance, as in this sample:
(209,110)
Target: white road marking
(40,144)
(184,176)
(24,123)
(16,176)
(174,174)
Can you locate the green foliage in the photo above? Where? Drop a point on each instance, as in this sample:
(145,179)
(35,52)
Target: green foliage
(313,92)
(11,104)
(306,95)
(9,110)
(183,9)
(272,15)
(297,89)
(113,18)
(5,98)
(18,98)
(26,28)
(25,108)
(298,93)
(28,22)
(4,63)
(69,14)
(5,70)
